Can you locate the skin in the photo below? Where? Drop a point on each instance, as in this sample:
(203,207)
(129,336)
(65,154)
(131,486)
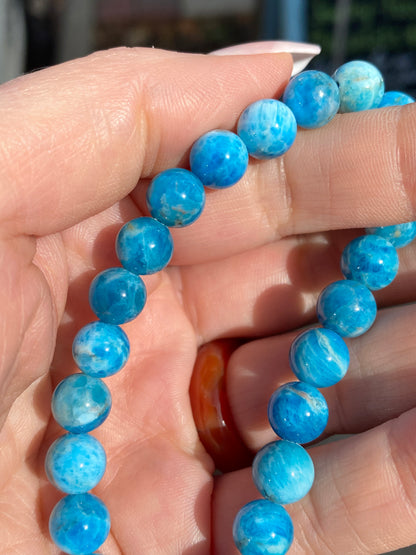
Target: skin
(79,143)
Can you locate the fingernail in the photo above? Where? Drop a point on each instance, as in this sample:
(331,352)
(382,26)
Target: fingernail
(302,52)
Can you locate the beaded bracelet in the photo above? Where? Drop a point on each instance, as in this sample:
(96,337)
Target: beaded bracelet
(282,471)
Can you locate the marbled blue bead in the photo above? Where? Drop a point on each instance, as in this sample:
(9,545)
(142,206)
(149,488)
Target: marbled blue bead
(313,97)
(100,349)
(75,463)
(117,295)
(219,158)
(79,524)
(395,98)
(80,403)
(144,246)
(361,86)
(283,472)
(298,412)
(370,260)
(268,128)
(263,528)
(398,235)
(347,307)
(176,197)
(319,357)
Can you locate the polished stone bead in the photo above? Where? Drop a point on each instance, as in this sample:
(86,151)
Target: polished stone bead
(75,463)
(175,197)
(100,349)
(117,295)
(347,307)
(298,412)
(268,128)
(283,472)
(263,528)
(79,524)
(219,158)
(361,86)
(370,260)
(313,97)
(80,403)
(395,98)
(319,356)
(398,235)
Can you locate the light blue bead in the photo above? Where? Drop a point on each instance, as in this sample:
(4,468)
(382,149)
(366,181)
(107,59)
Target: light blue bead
(117,296)
(263,528)
(144,246)
(100,349)
(347,307)
(298,412)
(361,86)
(75,463)
(398,235)
(79,524)
(370,260)
(395,98)
(313,97)
(319,357)
(283,472)
(268,128)
(175,197)
(81,403)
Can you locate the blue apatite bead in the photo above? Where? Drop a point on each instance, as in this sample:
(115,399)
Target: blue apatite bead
(395,98)
(347,307)
(370,260)
(319,357)
(81,403)
(268,128)
(263,528)
(398,235)
(79,524)
(144,246)
(219,158)
(361,86)
(117,296)
(283,472)
(75,463)
(298,412)
(100,349)
(313,97)
(175,197)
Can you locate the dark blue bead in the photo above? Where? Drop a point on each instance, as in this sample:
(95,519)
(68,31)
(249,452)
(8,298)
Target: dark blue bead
(175,197)
(395,98)
(361,86)
(370,260)
(347,307)
(398,235)
(79,524)
(263,528)
(100,349)
(117,295)
(298,412)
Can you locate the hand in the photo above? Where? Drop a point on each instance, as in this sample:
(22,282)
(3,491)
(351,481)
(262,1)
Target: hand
(78,145)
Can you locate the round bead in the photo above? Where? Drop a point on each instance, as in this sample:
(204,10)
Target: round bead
(263,528)
(100,349)
(313,97)
(79,524)
(361,86)
(370,260)
(75,463)
(175,197)
(268,128)
(319,357)
(347,307)
(298,412)
(219,158)
(398,235)
(395,98)
(117,295)
(80,403)
(283,472)
(144,246)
